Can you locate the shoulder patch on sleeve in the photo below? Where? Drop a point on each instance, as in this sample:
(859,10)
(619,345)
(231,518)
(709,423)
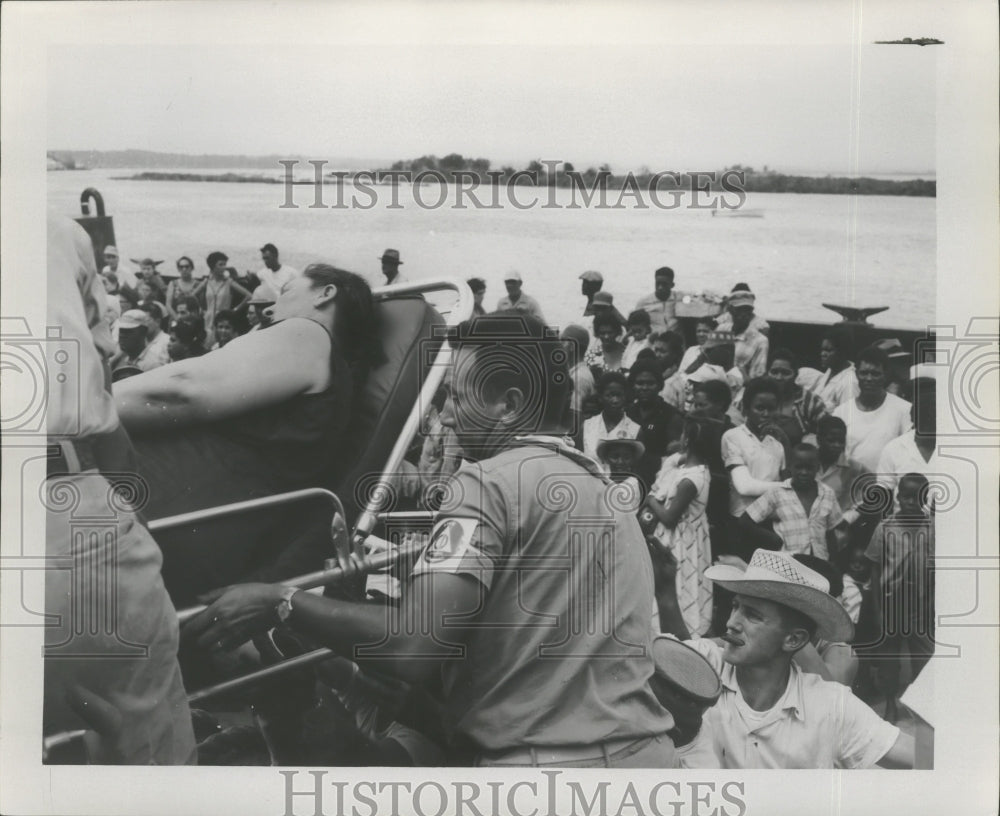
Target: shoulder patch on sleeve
(452,538)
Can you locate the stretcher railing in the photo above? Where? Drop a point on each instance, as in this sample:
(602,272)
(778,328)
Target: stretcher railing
(344,544)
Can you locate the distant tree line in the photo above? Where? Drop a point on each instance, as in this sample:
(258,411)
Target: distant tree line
(456,168)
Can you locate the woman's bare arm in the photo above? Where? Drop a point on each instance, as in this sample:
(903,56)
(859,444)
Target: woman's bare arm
(259,369)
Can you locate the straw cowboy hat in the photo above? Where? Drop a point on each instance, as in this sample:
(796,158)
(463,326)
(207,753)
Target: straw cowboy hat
(777,577)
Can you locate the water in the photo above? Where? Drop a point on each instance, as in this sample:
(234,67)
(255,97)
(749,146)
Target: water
(807,249)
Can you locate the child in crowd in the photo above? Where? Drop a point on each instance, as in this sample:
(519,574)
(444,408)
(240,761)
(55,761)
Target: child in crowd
(638,328)
(834,469)
(612,422)
(660,424)
(902,551)
(606,353)
(668,347)
(802,509)
(187,338)
(678,501)
(228,326)
(857,573)
(575,340)
(753,455)
(620,458)
(694,356)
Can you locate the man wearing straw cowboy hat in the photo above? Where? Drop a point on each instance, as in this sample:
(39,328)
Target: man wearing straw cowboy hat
(771,713)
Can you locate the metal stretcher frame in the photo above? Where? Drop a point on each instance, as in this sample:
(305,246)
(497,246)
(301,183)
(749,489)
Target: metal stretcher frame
(367,520)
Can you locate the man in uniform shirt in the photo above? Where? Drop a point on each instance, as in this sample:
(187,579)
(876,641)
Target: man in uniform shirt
(537,590)
(662,303)
(772,714)
(111,657)
(516,300)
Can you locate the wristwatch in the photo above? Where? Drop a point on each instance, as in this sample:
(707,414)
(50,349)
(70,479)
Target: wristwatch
(284,607)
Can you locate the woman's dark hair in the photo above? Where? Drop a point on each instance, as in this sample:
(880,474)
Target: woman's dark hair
(477,284)
(611,378)
(782,354)
(873,355)
(675,343)
(238,320)
(645,366)
(639,317)
(190,301)
(357,323)
(829,422)
(840,339)
(704,435)
(759,385)
(185,258)
(607,319)
(189,330)
(717,391)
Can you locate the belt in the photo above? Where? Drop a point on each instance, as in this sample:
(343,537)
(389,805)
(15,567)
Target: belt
(70,456)
(555,754)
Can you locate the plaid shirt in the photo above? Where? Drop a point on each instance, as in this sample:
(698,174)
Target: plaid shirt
(800,533)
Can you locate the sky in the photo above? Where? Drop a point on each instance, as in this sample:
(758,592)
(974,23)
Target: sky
(797,87)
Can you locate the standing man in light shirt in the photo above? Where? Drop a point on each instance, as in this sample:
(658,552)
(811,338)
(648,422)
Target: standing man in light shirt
(772,713)
(274,273)
(516,300)
(110,668)
(662,303)
(875,417)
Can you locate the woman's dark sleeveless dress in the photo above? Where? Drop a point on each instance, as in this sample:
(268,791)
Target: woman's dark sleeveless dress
(271,450)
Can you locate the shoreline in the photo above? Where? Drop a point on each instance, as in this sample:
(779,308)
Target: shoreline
(808,185)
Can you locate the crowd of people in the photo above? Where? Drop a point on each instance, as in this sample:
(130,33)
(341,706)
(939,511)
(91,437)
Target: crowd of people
(775,518)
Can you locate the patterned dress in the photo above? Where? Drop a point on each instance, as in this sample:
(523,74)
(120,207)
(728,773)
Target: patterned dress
(689,542)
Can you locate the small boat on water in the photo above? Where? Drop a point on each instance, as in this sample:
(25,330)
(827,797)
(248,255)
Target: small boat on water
(741,212)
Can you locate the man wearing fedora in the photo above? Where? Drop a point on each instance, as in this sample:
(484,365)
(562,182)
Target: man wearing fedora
(390,267)
(772,714)
(516,300)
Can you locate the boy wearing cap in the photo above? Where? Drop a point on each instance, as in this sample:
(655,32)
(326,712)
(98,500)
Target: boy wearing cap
(771,713)
(516,300)
(751,344)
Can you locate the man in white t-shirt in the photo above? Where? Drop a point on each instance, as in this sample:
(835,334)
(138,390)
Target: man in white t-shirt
(875,417)
(275,274)
(916,450)
(772,714)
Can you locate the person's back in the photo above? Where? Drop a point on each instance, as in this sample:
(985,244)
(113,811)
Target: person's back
(576,669)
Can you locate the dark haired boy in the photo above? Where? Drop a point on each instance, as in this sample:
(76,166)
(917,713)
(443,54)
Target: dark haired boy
(803,510)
